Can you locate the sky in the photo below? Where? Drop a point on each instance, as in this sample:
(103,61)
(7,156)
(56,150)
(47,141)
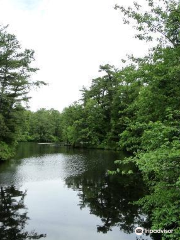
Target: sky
(71,39)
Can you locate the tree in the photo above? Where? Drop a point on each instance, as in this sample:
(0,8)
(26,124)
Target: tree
(155,126)
(15,84)
(44,126)
(160,21)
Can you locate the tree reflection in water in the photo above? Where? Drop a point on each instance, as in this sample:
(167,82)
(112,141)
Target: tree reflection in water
(13,216)
(110,198)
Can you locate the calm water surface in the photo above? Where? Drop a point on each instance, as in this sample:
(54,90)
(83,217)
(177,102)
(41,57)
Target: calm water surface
(58,193)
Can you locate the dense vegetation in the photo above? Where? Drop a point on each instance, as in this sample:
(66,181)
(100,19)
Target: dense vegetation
(41,126)
(15,83)
(135,108)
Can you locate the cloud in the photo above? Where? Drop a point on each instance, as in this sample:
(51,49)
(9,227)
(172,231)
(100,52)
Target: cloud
(71,39)
(25,4)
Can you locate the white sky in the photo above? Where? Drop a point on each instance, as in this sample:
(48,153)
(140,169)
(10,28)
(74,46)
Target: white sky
(71,38)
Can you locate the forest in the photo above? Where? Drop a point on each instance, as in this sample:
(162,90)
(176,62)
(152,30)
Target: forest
(135,109)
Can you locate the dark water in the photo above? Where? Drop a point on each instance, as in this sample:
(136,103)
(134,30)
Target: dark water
(58,193)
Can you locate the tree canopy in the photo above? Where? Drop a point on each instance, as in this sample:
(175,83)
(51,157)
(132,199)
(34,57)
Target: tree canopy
(15,84)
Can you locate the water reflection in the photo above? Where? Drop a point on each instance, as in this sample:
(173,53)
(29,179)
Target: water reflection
(13,215)
(110,198)
(43,170)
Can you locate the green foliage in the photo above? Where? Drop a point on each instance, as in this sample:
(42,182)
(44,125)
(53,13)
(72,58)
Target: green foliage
(152,132)
(15,83)
(135,108)
(41,126)
(161,20)
(6,151)
(161,168)
(71,120)
(105,110)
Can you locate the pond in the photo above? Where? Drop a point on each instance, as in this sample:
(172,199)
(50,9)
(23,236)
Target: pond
(59,193)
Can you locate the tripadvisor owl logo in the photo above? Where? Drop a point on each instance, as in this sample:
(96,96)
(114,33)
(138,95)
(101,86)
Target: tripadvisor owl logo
(139,230)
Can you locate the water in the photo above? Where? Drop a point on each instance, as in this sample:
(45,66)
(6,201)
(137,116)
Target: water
(64,194)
